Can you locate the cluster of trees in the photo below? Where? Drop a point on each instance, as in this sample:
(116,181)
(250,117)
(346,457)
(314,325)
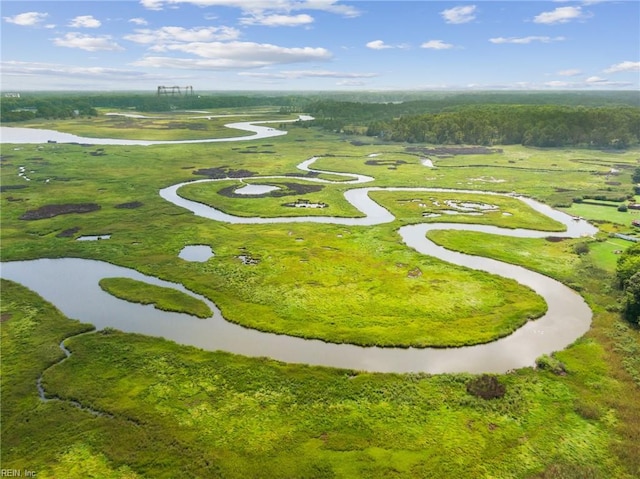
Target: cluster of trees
(628,275)
(530,125)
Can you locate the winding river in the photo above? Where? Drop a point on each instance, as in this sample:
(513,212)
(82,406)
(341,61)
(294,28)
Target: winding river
(79,296)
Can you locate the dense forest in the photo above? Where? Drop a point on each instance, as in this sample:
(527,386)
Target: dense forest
(541,119)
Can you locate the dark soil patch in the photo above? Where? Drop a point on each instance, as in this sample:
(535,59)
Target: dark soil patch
(98,152)
(555,239)
(224,172)
(49,211)
(129,206)
(462,150)
(188,167)
(5,317)
(4,188)
(69,233)
(286,189)
(267,152)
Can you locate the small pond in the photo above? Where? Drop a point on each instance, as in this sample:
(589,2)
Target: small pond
(198,253)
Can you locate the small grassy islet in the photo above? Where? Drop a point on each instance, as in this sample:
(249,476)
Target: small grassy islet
(166,299)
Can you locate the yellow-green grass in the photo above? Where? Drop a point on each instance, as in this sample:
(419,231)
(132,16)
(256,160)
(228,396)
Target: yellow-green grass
(166,299)
(604,213)
(606,252)
(177,410)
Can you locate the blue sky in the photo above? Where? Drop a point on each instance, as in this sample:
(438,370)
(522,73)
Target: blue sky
(320,45)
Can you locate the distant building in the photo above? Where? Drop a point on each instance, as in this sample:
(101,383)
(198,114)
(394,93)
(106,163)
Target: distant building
(12,95)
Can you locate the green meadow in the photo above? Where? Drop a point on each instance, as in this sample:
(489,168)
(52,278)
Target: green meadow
(153,408)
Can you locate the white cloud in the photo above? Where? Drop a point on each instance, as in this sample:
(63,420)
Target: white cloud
(436,45)
(138,21)
(27,19)
(278,20)
(525,40)
(595,79)
(87,42)
(350,83)
(463,14)
(33,69)
(378,45)
(560,15)
(296,74)
(261,6)
(570,72)
(232,55)
(559,84)
(623,67)
(85,21)
(167,35)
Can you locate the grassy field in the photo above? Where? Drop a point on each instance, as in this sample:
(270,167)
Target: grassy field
(172,411)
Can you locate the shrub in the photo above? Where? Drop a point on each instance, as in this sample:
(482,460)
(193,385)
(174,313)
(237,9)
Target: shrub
(581,248)
(486,387)
(549,363)
(623,208)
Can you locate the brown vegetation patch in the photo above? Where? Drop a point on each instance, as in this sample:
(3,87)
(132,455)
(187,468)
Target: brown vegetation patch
(5,317)
(49,211)
(415,273)
(555,239)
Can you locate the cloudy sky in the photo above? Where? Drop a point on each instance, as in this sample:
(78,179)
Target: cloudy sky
(319,45)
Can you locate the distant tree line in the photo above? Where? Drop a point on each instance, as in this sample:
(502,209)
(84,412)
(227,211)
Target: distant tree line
(62,106)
